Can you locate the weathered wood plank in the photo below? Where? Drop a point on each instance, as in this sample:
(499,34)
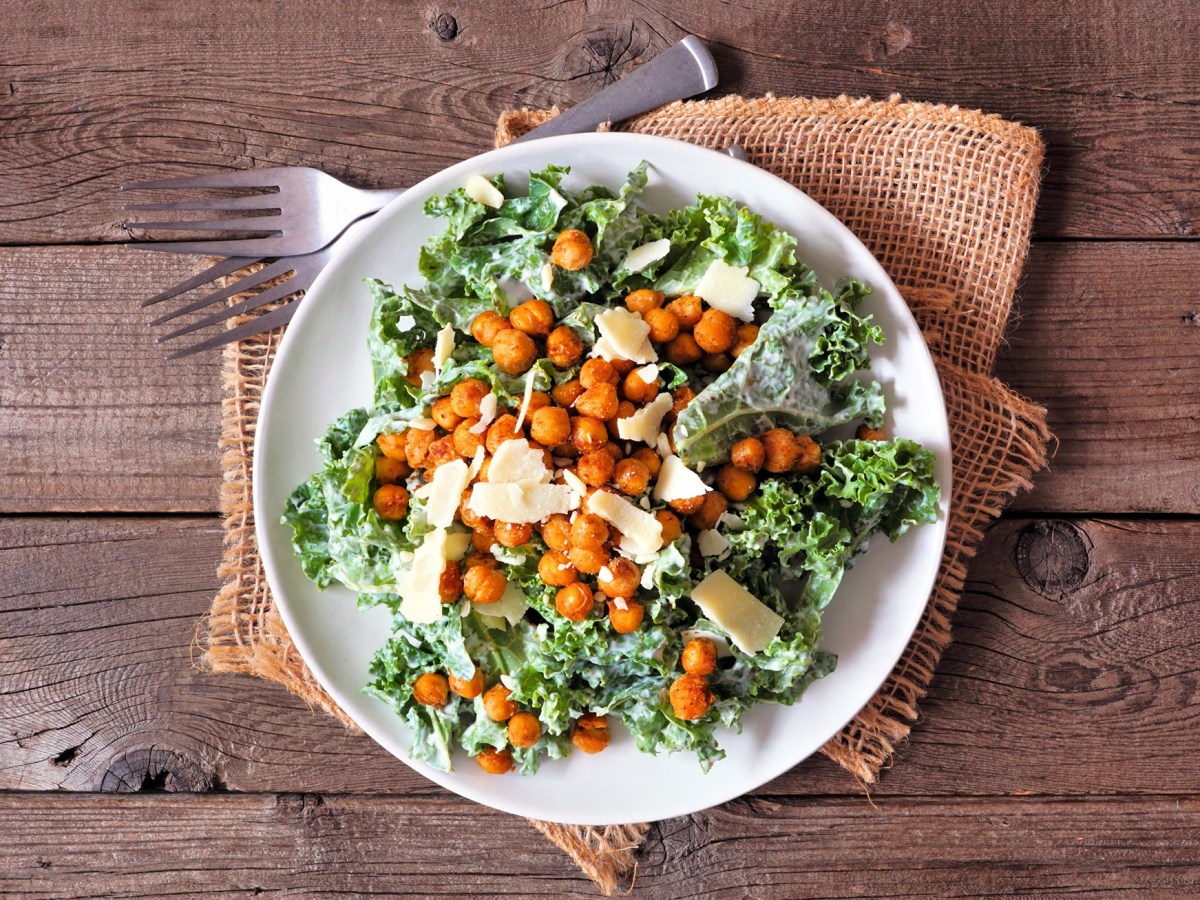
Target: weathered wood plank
(1072,672)
(154,846)
(97,96)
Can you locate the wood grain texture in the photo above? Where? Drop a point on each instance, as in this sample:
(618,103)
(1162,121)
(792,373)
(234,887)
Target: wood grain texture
(95,96)
(1070,634)
(259,845)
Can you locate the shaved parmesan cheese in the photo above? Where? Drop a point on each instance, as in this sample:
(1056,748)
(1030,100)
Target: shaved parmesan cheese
(477,462)
(623,335)
(574,482)
(421,602)
(641,531)
(605,573)
(664,446)
(483,191)
(423,424)
(547,278)
(648,374)
(507,681)
(750,623)
(516,461)
(640,257)
(526,399)
(620,603)
(458,545)
(487,412)
(522,501)
(729,289)
(677,482)
(510,607)
(646,423)
(465,609)
(443,348)
(445,491)
(711,542)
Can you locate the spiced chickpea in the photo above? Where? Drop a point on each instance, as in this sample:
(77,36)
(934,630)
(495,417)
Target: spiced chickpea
(747,334)
(637,389)
(625,409)
(390,502)
(683,350)
(672,527)
(469,689)
(663,325)
(555,569)
(621,579)
(480,559)
(550,425)
(431,689)
(623,366)
(495,762)
(690,696)
(780,450)
(681,397)
(572,250)
(534,317)
(420,363)
(513,534)
(556,532)
(647,457)
(590,733)
(497,705)
(537,400)
(631,477)
(589,560)
(469,517)
(450,582)
(575,601)
(699,657)
(440,451)
(596,467)
(391,471)
(589,530)
(736,484)
(687,310)
(867,433)
(484,585)
(644,300)
(597,371)
(748,454)
(443,413)
(503,429)
(563,347)
(808,455)
(716,362)
(711,509)
(716,331)
(466,396)
(627,620)
(524,730)
(392,445)
(588,434)
(466,441)
(482,540)
(514,351)
(599,402)
(482,474)
(614,450)
(487,325)
(685,506)
(568,392)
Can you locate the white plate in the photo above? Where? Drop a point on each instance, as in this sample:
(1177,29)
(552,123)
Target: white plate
(322,370)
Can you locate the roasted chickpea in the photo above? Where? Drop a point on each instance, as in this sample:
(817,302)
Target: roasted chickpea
(638,389)
(808,455)
(687,310)
(480,559)
(715,332)
(589,560)
(563,347)
(487,325)
(681,396)
(440,451)
(393,445)
(390,502)
(780,450)
(420,363)
(627,620)
(568,392)
(748,454)
(711,509)
(469,517)
(556,532)
(534,317)
(690,697)
(514,351)
(431,689)
(450,582)
(599,402)
(716,362)
(575,601)
(597,371)
(614,450)
(466,396)
(495,762)
(595,468)
(572,250)
(644,300)
(503,429)
(524,730)
(484,585)
(699,657)
(736,484)
(471,688)
(466,441)
(631,477)
(588,434)
(747,334)
(620,578)
(867,433)
(537,400)
(443,413)
(625,409)
(497,705)
(683,350)
(589,530)
(555,569)
(591,733)
(672,528)
(687,505)
(482,540)
(663,325)
(513,534)
(550,426)
(391,471)
(649,459)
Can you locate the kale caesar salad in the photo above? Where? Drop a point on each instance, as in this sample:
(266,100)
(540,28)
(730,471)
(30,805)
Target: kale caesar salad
(596,481)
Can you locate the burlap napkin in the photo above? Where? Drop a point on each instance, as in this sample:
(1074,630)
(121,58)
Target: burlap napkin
(944,198)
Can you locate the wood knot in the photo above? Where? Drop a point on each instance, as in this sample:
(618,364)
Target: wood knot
(888,41)
(156,769)
(444,25)
(606,54)
(1053,558)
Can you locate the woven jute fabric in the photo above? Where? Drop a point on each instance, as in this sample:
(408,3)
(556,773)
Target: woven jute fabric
(944,198)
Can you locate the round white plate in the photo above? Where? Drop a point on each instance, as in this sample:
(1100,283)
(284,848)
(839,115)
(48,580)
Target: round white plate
(322,370)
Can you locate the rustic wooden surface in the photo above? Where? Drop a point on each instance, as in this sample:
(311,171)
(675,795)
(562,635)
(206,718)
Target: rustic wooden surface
(1055,752)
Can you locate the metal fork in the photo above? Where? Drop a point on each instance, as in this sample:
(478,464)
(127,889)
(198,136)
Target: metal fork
(309,210)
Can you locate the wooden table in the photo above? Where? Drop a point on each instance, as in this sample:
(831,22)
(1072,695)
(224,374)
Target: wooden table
(1056,750)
